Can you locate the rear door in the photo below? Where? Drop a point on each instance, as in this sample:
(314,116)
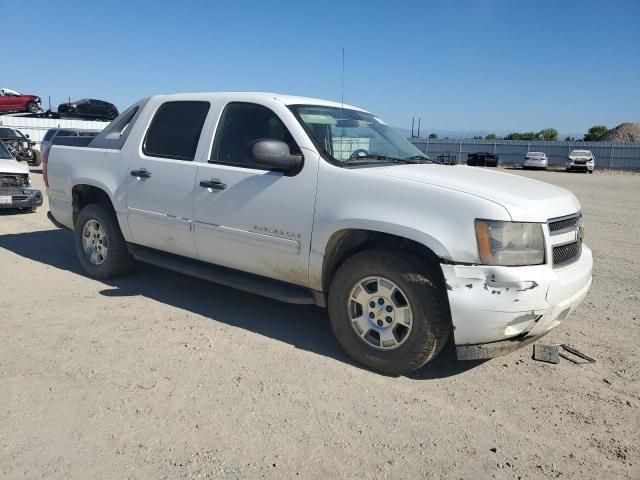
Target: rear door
(161,178)
(252,219)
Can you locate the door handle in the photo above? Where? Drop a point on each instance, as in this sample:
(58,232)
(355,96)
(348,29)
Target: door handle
(214,184)
(140,173)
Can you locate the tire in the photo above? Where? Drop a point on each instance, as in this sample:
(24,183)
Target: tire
(423,292)
(117,259)
(32,107)
(590,171)
(36,160)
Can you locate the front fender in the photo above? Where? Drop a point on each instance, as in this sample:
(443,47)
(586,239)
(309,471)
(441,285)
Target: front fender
(319,252)
(439,218)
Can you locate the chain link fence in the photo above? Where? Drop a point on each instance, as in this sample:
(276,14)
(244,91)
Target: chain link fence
(609,155)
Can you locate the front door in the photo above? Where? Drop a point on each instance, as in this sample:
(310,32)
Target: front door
(161,179)
(8,102)
(249,218)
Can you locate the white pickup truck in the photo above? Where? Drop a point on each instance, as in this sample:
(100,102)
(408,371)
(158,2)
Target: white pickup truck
(311,201)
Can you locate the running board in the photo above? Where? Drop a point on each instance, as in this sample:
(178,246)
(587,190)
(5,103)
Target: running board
(267,287)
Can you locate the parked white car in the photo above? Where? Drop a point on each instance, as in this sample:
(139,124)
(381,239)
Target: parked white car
(310,201)
(15,184)
(581,160)
(536,160)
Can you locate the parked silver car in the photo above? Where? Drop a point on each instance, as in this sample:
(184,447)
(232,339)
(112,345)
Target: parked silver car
(536,160)
(63,132)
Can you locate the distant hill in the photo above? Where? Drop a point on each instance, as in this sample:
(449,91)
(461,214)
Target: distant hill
(459,134)
(625,132)
(424,133)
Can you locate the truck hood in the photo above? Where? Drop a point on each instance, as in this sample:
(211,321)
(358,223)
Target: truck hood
(525,199)
(13,166)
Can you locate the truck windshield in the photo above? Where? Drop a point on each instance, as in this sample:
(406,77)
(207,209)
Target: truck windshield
(4,153)
(9,133)
(350,137)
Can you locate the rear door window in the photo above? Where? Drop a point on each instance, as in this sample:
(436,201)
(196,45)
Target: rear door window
(175,130)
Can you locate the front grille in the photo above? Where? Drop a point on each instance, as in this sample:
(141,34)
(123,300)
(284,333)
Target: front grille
(567,253)
(560,224)
(11,180)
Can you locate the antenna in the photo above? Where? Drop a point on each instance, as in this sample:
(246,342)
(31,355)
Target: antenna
(342,93)
(413,120)
(419,118)
(342,107)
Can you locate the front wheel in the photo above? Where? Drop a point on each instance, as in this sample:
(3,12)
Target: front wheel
(100,246)
(32,107)
(389,311)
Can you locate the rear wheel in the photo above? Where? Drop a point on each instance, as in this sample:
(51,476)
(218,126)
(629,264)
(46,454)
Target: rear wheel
(388,310)
(36,158)
(100,246)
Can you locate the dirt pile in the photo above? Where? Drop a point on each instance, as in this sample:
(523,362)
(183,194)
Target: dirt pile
(625,132)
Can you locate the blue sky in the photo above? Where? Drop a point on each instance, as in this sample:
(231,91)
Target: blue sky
(494,65)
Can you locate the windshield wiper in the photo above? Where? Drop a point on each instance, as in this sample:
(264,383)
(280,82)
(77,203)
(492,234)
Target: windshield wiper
(423,158)
(384,158)
(426,159)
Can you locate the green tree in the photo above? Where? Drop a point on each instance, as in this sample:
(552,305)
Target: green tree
(433,135)
(491,136)
(548,134)
(596,133)
(522,136)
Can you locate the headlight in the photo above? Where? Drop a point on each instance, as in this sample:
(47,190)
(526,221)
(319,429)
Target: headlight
(510,243)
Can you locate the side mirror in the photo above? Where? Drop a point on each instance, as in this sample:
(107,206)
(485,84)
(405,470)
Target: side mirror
(27,135)
(274,155)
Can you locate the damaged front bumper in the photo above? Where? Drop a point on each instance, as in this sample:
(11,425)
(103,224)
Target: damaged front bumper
(20,197)
(496,310)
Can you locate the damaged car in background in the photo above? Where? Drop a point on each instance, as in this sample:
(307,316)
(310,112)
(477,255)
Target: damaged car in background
(311,201)
(15,184)
(581,161)
(15,102)
(20,146)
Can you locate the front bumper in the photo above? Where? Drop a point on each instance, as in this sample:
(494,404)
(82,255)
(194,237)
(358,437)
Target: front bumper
(21,197)
(572,165)
(495,310)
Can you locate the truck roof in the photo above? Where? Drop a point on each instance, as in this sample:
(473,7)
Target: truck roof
(252,96)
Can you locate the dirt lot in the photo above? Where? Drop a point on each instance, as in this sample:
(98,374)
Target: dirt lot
(158,375)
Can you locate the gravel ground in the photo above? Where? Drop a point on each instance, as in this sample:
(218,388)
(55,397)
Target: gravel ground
(159,375)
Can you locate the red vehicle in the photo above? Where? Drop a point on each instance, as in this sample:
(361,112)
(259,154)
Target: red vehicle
(12,101)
